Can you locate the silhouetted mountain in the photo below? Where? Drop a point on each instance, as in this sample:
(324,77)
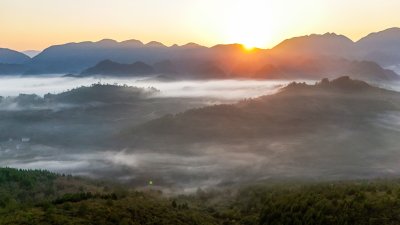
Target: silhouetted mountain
(206,70)
(192,45)
(370,71)
(308,57)
(313,56)
(8,56)
(318,68)
(155,44)
(165,67)
(75,57)
(382,47)
(110,68)
(12,69)
(132,43)
(329,44)
(341,84)
(100,93)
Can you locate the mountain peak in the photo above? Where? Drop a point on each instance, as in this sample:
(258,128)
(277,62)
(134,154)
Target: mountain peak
(155,44)
(107,41)
(192,45)
(341,84)
(392,29)
(344,82)
(228,46)
(12,57)
(111,68)
(336,36)
(323,44)
(132,42)
(384,35)
(326,36)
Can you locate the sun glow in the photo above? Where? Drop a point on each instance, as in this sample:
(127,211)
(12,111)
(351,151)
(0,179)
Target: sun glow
(249,48)
(250,23)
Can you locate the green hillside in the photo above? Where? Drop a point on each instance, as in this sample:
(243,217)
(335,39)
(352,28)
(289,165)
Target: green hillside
(41,197)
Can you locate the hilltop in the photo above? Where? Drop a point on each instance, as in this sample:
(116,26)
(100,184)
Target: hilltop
(108,67)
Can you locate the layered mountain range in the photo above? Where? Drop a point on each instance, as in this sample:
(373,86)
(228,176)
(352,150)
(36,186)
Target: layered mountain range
(374,57)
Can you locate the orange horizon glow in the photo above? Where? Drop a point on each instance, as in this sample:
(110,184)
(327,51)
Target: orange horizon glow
(38,24)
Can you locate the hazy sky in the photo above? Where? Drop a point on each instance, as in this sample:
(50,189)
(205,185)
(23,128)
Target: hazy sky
(36,24)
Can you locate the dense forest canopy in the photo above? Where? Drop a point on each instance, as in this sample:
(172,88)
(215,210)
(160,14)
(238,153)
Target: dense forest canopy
(41,197)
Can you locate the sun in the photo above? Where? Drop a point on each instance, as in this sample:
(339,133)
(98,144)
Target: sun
(249,47)
(252,43)
(250,23)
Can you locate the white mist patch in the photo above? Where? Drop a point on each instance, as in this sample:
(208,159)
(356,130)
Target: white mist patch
(389,120)
(210,165)
(220,89)
(52,165)
(395,68)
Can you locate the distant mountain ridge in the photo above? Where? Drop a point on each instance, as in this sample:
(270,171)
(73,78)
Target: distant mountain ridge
(299,57)
(382,47)
(12,62)
(326,44)
(108,67)
(8,56)
(284,70)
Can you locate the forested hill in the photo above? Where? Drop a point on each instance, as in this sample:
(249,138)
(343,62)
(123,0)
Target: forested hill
(295,110)
(41,197)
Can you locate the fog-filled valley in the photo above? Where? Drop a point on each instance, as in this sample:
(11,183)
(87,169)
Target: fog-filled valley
(122,132)
(154,112)
(76,130)
(200,134)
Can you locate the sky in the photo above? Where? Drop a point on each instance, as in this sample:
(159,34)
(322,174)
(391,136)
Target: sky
(37,24)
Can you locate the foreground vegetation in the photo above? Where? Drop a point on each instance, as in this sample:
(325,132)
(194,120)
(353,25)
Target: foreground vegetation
(41,197)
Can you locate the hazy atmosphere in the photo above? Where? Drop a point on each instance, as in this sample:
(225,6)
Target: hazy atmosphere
(200,112)
(109,129)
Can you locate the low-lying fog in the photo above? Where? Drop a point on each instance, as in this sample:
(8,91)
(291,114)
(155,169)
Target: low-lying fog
(220,89)
(81,139)
(63,142)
